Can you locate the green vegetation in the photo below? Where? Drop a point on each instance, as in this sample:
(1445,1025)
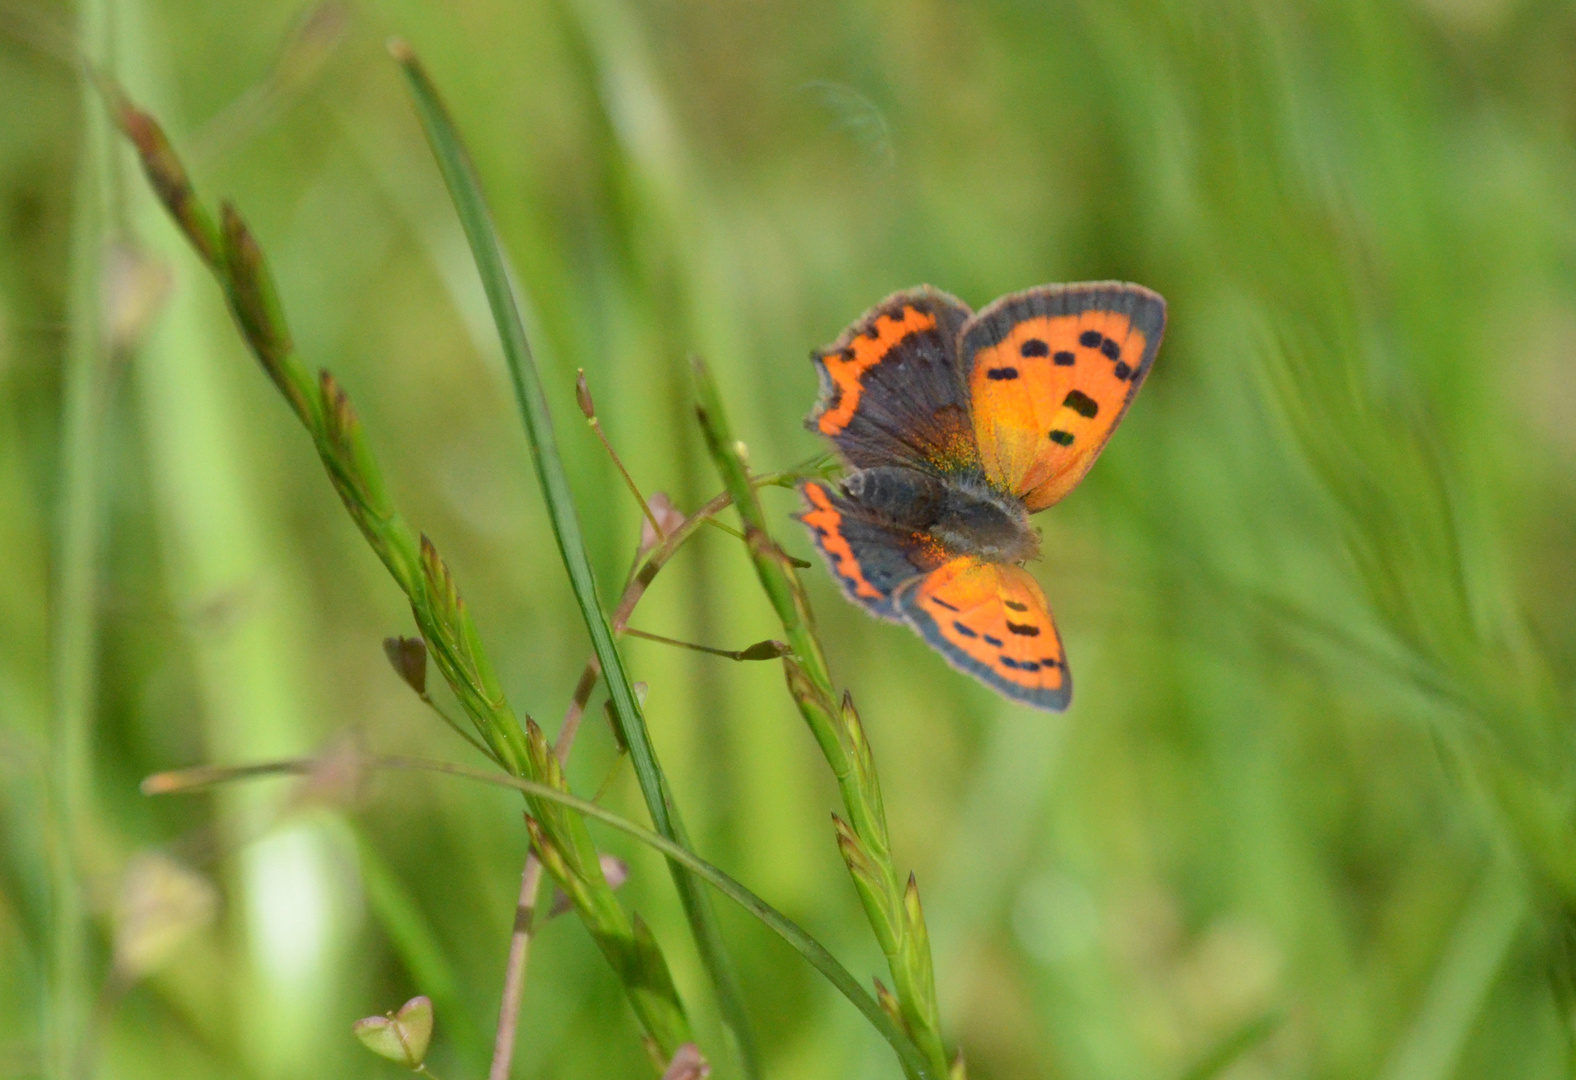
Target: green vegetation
(1311,813)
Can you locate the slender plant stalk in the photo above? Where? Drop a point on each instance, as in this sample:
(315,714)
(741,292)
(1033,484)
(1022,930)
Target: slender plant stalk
(446,625)
(588,406)
(74,640)
(465,189)
(189,780)
(891,904)
(514,969)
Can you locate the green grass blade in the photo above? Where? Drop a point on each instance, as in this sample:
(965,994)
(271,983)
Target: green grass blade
(1234,1047)
(465,189)
(77,557)
(1432,1046)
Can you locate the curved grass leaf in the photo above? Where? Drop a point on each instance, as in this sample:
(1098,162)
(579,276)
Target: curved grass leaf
(195,779)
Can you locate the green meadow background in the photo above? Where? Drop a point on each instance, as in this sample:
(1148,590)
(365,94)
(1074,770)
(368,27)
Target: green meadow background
(1311,812)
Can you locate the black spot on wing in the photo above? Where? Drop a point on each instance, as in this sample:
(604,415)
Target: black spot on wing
(1112,350)
(1065,359)
(1081,403)
(1062,438)
(1001,373)
(965,631)
(1035,347)
(1091,339)
(1022,630)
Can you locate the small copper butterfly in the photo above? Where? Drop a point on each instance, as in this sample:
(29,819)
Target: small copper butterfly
(955,427)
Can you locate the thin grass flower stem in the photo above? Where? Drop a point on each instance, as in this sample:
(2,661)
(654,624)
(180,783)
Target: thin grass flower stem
(629,481)
(914,1062)
(723,526)
(454,726)
(470,204)
(891,904)
(762,650)
(648,562)
(514,968)
(588,406)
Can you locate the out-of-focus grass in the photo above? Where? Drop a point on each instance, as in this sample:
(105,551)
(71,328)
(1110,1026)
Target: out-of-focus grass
(1319,592)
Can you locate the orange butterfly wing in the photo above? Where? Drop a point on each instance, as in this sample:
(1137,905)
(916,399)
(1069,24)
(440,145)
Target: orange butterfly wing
(1050,371)
(991,620)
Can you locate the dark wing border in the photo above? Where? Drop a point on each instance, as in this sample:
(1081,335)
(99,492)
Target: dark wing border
(1145,310)
(920,621)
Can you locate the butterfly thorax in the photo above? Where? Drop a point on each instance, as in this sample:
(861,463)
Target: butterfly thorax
(960,513)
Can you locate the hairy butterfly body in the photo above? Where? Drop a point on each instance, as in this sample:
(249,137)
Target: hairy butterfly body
(956,427)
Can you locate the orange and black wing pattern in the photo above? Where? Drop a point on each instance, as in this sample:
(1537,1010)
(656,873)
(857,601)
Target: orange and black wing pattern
(991,620)
(1050,372)
(869,558)
(891,389)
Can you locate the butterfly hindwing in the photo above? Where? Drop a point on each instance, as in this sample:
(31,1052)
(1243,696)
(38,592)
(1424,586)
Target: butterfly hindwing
(870,559)
(1050,371)
(891,389)
(992,621)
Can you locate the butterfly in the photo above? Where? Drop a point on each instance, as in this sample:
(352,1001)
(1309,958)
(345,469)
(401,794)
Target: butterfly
(954,428)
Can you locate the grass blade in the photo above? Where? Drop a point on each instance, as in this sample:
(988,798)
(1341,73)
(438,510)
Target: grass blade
(74,622)
(465,189)
(1432,1046)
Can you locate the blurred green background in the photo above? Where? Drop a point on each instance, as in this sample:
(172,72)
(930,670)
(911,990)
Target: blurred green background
(1311,812)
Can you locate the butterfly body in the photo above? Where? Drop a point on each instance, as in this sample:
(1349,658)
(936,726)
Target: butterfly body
(956,427)
(958,512)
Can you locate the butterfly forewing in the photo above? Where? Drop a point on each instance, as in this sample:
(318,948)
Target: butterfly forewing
(991,620)
(891,389)
(1050,371)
